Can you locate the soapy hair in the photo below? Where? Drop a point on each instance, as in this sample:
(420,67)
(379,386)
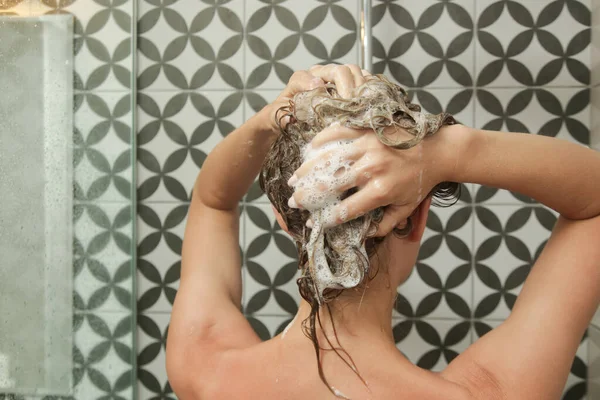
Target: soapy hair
(376,106)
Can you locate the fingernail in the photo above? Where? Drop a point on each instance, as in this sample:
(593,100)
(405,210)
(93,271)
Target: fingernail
(292,203)
(292,180)
(309,224)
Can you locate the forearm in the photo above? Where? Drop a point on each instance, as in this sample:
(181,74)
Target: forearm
(232,166)
(561,175)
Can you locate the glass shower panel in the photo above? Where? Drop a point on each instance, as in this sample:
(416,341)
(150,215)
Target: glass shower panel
(36,230)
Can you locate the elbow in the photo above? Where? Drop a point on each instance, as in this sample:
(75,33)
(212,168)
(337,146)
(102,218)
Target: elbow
(589,211)
(176,374)
(213,198)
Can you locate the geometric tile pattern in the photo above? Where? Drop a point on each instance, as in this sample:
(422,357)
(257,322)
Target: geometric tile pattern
(103,320)
(206,67)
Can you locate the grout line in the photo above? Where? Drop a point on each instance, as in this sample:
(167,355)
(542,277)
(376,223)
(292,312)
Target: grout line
(244,107)
(473,203)
(133,196)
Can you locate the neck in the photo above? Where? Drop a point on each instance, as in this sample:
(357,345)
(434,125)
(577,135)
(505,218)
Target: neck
(362,312)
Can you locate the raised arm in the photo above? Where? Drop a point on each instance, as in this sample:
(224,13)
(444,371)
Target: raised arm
(206,320)
(529,356)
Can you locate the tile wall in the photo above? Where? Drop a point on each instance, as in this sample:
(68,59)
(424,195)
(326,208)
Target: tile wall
(205,67)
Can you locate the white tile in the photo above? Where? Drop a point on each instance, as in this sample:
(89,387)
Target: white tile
(176,141)
(264,254)
(268,327)
(458,102)
(103,42)
(432,344)
(535,56)
(596,319)
(159,257)
(102,146)
(192,46)
(151,358)
(595,47)
(272,31)
(103,263)
(507,240)
(409,54)
(105,341)
(445,257)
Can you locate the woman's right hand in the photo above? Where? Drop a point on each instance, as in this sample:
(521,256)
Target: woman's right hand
(397,179)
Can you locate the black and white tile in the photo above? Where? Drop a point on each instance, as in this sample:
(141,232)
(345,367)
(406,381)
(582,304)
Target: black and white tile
(284,36)
(507,241)
(432,344)
(441,284)
(425,43)
(160,237)
(270,265)
(176,133)
(102,146)
(533,43)
(206,67)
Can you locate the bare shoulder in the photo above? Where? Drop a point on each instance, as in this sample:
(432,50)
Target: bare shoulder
(475,380)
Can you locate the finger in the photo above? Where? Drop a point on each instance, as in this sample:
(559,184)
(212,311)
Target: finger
(334,133)
(302,81)
(340,75)
(393,217)
(357,205)
(342,155)
(366,73)
(359,79)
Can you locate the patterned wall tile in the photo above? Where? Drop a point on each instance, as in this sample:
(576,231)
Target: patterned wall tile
(151,358)
(188,44)
(424,43)
(271,266)
(284,35)
(102,267)
(441,284)
(595,43)
(556,112)
(255,101)
(518,43)
(575,388)
(458,102)
(103,356)
(508,240)
(160,233)
(102,147)
(160,236)
(176,133)
(432,344)
(103,43)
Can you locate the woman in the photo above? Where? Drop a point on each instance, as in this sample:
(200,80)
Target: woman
(212,351)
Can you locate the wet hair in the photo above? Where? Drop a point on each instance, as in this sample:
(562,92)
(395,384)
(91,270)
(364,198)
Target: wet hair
(377,105)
